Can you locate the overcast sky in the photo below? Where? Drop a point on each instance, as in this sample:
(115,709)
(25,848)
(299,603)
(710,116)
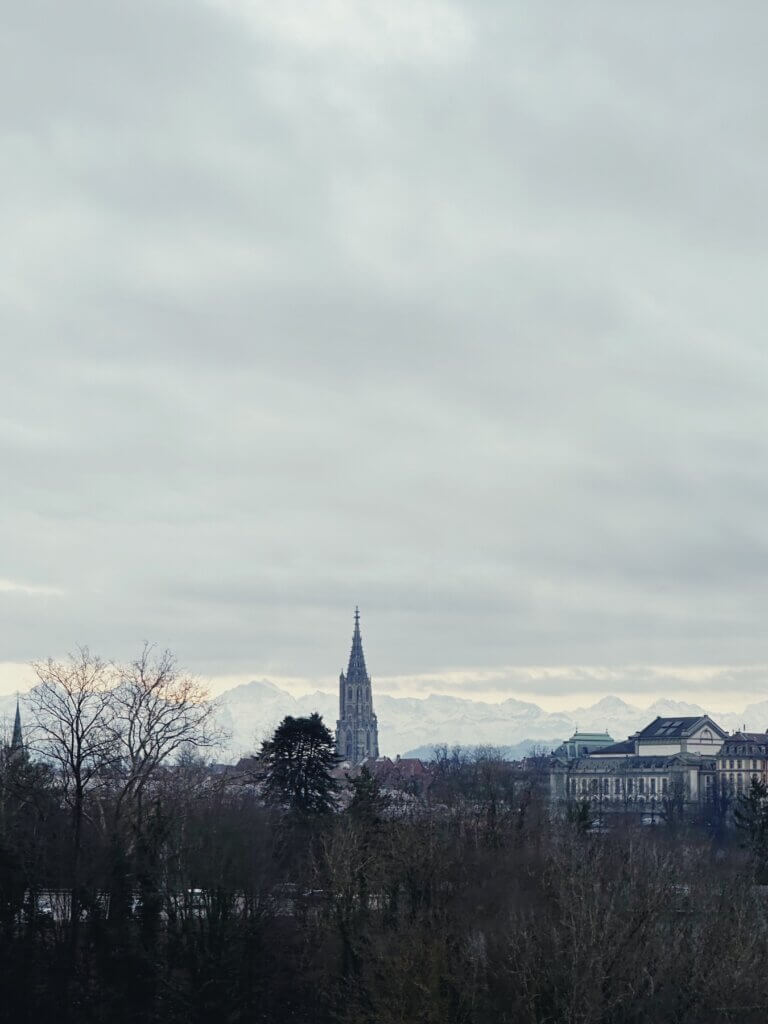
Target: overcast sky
(453,310)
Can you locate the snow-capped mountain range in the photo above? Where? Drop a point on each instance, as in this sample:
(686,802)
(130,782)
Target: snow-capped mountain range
(249,713)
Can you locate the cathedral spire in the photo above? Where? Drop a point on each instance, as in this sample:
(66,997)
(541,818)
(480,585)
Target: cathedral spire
(357,733)
(356,670)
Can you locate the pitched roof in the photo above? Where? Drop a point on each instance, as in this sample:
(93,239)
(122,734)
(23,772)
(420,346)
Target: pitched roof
(625,747)
(411,766)
(641,762)
(588,736)
(677,727)
(748,737)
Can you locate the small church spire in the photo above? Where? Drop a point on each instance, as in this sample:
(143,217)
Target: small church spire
(17,739)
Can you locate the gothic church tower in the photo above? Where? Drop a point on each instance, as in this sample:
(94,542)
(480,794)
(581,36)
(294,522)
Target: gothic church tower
(357,731)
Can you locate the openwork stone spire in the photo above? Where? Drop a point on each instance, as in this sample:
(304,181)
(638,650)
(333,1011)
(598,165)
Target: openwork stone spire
(357,730)
(356,670)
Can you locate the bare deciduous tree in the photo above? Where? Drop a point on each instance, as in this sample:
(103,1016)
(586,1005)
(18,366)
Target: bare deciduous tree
(71,712)
(156,711)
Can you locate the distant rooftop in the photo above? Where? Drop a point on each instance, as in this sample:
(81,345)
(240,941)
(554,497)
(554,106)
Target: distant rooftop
(613,765)
(676,728)
(591,736)
(624,747)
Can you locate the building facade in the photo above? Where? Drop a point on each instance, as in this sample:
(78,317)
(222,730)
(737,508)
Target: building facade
(671,760)
(742,757)
(636,782)
(357,729)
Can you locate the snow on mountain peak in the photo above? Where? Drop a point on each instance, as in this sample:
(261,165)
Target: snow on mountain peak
(253,710)
(666,708)
(611,703)
(254,687)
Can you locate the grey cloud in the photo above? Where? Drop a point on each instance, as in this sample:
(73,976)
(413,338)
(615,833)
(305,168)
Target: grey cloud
(462,326)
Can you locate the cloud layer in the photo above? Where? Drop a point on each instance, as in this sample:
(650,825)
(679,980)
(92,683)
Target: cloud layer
(452,310)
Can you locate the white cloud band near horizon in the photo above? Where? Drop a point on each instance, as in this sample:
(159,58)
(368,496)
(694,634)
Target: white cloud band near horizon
(29,589)
(721,688)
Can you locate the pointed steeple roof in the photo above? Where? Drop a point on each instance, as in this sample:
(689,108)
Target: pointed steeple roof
(356,670)
(17,740)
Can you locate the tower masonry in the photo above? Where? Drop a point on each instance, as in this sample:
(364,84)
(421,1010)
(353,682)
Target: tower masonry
(357,730)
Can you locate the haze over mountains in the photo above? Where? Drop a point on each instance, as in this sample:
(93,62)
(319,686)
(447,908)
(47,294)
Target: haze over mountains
(250,713)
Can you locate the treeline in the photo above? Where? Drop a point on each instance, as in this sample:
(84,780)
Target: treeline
(201,897)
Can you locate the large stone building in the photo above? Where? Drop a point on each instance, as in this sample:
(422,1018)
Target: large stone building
(672,758)
(357,730)
(742,757)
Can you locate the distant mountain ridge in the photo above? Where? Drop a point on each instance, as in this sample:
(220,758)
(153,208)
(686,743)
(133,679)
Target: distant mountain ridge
(251,711)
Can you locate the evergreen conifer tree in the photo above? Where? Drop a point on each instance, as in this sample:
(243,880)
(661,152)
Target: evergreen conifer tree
(368,803)
(750,815)
(299,760)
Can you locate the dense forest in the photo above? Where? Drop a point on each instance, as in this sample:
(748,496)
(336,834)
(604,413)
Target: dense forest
(138,885)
